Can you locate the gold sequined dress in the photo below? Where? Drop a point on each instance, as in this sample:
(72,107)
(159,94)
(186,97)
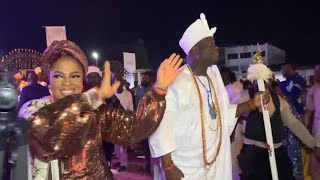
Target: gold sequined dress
(71,130)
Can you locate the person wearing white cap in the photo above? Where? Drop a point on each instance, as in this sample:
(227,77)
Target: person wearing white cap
(93,77)
(193,139)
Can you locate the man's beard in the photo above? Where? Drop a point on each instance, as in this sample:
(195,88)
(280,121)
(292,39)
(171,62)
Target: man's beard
(145,84)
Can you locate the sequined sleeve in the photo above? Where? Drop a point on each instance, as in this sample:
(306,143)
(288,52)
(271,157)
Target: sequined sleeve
(59,129)
(127,127)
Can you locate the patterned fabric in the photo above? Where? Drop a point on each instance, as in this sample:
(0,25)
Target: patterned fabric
(139,92)
(293,146)
(292,87)
(31,92)
(71,130)
(61,48)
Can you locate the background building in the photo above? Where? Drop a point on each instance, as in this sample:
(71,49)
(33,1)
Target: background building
(238,58)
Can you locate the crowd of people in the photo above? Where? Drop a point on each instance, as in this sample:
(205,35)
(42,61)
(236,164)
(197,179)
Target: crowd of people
(299,102)
(197,122)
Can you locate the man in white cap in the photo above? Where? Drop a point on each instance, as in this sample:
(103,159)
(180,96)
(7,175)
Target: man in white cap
(193,139)
(126,100)
(93,77)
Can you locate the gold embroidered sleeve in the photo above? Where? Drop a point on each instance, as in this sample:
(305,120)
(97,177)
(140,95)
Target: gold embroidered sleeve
(127,127)
(59,129)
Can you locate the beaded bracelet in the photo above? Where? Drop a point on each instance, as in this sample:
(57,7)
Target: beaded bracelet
(160,90)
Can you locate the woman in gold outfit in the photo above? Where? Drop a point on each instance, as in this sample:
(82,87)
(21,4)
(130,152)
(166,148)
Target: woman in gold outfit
(67,128)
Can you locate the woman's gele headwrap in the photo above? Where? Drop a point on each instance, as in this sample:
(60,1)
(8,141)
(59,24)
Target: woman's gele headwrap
(60,48)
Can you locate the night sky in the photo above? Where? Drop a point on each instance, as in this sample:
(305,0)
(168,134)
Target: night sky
(98,24)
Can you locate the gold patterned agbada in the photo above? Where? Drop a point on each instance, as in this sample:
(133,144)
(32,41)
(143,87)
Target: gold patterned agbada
(71,130)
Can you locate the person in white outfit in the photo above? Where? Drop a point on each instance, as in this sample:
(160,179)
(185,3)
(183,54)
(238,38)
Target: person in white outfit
(313,106)
(193,139)
(126,100)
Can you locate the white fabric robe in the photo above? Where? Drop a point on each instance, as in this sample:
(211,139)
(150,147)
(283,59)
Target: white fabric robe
(180,130)
(126,102)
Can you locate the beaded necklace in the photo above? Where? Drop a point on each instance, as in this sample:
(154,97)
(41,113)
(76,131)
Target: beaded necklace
(204,143)
(212,109)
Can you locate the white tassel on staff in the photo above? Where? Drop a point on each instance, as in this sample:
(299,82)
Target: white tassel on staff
(260,72)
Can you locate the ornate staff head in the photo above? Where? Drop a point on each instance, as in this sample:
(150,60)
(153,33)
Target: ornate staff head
(257,58)
(258,70)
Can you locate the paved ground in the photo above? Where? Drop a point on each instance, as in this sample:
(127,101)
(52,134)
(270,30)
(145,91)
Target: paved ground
(135,170)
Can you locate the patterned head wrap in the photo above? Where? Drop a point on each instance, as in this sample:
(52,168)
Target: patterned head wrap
(59,49)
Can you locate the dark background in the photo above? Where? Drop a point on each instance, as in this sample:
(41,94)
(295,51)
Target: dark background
(102,24)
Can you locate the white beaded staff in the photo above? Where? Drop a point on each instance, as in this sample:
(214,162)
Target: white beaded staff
(260,72)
